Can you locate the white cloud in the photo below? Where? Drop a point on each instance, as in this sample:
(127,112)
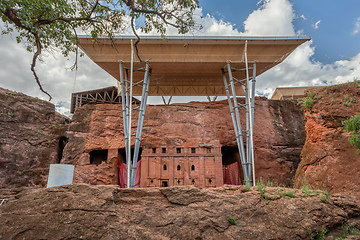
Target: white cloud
(273,18)
(303,17)
(356,27)
(316,25)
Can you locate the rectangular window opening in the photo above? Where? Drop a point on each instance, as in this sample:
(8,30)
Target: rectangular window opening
(164,183)
(178,150)
(98,157)
(163,150)
(193,150)
(153,150)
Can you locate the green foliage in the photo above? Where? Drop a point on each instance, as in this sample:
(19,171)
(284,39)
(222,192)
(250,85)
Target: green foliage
(291,194)
(322,234)
(55,21)
(269,183)
(356,83)
(332,101)
(261,187)
(353,125)
(308,101)
(325,195)
(348,229)
(324,198)
(317,235)
(232,220)
(10,114)
(283,192)
(248,185)
(54,24)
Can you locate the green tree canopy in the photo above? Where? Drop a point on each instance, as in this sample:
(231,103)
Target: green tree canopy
(53,24)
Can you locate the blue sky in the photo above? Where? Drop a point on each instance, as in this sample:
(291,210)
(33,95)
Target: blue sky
(333,38)
(331,57)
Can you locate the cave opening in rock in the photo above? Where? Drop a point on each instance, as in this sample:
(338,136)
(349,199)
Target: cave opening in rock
(231,169)
(230,155)
(98,156)
(62,142)
(122,155)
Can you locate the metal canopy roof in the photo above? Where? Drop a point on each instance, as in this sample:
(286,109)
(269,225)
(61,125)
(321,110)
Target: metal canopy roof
(190,66)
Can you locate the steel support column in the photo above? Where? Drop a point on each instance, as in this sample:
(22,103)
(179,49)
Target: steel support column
(144,95)
(126,93)
(248,84)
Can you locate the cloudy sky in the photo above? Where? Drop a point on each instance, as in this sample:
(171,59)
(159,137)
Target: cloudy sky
(331,57)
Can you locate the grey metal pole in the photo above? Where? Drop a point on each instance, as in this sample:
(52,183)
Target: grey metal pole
(252,120)
(248,147)
(145,91)
(233,117)
(236,108)
(124,106)
(248,107)
(128,162)
(127,106)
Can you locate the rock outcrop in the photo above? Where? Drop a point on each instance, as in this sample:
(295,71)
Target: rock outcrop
(229,212)
(327,159)
(279,135)
(30,132)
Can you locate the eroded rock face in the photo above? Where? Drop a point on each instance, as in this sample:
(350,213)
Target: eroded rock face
(278,135)
(229,212)
(30,132)
(327,159)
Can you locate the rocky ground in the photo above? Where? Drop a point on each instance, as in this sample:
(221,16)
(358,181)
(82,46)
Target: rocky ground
(82,211)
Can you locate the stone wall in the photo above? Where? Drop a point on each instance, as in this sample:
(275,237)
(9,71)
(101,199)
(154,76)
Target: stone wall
(278,135)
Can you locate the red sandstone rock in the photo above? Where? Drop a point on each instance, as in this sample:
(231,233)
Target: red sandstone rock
(29,139)
(229,212)
(278,135)
(327,159)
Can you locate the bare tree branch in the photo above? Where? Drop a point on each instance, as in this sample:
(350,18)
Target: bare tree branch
(35,56)
(137,36)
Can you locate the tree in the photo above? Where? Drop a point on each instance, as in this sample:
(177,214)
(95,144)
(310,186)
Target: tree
(53,24)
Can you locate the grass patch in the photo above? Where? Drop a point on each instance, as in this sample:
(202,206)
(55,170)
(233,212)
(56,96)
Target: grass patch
(349,229)
(261,187)
(232,220)
(353,125)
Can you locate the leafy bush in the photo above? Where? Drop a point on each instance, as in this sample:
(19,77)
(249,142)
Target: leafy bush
(308,103)
(353,125)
